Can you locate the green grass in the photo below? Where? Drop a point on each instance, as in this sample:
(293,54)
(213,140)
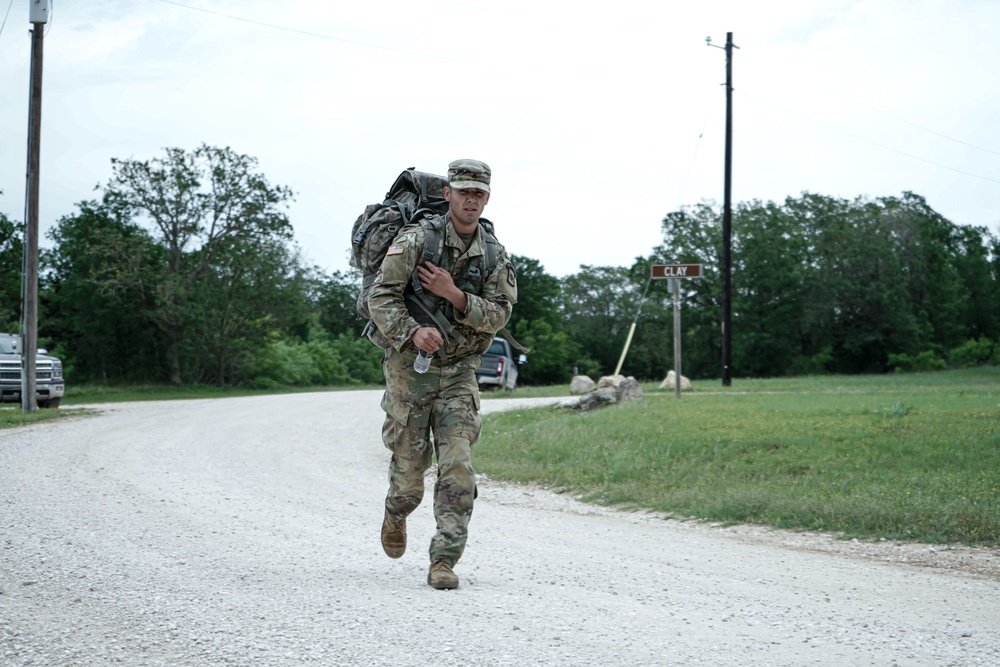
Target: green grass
(912,457)
(11,416)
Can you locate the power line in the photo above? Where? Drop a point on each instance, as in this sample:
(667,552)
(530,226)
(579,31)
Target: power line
(5,16)
(867,141)
(307,32)
(903,120)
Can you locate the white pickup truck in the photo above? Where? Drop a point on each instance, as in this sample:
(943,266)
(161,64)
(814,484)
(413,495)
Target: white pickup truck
(49,385)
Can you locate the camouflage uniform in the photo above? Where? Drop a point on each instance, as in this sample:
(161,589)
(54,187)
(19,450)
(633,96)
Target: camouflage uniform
(445,400)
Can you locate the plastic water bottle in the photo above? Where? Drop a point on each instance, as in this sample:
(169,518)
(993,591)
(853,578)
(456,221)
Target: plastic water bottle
(422,362)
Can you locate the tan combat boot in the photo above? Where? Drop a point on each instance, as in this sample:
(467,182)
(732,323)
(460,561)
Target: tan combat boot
(441,576)
(393,536)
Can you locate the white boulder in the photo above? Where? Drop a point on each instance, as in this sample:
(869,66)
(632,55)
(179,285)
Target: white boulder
(671,380)
(581,384)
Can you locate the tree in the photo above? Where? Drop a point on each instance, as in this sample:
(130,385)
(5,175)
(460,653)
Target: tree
(537,293)
(261,291)
(537,323)
(98,284)
(336,298)
(599,303)
(769,298)
(11,261)
(981,308)
(693,235)
(208,209)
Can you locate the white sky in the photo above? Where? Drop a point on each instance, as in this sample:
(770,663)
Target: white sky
(597,118)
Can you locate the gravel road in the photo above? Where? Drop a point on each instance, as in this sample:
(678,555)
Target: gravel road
(244,531)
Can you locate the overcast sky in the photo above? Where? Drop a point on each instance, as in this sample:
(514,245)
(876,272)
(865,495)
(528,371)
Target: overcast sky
(597,118)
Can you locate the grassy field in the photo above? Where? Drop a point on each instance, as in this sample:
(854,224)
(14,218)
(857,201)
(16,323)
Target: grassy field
(913,457)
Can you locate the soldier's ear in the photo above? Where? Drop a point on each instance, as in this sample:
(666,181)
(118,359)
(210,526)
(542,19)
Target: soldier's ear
(447,193)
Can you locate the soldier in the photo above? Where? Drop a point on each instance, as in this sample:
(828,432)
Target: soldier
(437,412)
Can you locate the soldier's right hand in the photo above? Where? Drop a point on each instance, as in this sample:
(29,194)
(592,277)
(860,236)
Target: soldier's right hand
(428,339)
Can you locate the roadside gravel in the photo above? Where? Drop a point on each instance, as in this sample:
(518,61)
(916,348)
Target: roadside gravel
(245,532)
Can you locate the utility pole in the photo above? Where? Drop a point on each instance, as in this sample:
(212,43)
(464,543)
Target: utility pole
(727,223)
(38,15)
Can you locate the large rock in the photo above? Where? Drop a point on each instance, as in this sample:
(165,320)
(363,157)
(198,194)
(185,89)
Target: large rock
(611,389)
(671,380)
(610,381)
(597,398)
(628,390)
(581,384)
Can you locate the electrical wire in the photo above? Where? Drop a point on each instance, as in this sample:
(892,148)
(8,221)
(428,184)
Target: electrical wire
(687,174)
(438,57)
(867,141)
(52,14)
(307,32)
(903,120)
(5,17)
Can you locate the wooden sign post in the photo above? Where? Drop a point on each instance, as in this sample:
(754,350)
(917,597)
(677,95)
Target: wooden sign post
(674,273)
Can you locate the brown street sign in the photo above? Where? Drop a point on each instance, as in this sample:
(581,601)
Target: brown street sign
(676,271)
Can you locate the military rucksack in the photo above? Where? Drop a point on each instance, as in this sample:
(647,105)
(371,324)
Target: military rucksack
(415,198)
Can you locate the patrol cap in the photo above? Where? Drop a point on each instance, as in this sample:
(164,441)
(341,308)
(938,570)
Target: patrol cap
(464,174)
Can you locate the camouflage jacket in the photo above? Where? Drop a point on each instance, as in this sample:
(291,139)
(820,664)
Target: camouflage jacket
(486,313)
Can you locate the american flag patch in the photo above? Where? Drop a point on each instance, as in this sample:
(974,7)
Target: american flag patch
(394,250)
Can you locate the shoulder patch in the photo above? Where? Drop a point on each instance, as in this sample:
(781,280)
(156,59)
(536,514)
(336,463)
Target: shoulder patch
(511,277)
(394,250)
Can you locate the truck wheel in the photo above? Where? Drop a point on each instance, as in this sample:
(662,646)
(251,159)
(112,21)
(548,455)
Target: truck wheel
(53,403)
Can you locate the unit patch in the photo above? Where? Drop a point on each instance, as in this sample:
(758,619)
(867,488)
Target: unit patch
(511,278)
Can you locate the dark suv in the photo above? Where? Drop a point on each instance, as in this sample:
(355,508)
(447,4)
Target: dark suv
(499,369)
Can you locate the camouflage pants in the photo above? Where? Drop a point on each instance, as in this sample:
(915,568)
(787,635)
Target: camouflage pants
(434,414)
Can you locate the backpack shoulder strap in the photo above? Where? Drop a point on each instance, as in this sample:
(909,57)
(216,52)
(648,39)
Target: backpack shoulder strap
(491,244)
(433,243)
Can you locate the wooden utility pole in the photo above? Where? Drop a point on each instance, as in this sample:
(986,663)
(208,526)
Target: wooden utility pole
(727,228)
(38,16)
(677,335)
(727,222)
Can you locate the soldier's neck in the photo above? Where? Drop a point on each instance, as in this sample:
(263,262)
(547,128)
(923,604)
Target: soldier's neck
(464,229)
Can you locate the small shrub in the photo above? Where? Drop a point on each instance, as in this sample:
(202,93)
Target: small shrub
(973,353)
(818,364)
(925,361)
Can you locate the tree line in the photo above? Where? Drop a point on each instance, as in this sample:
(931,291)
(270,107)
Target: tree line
(186,271)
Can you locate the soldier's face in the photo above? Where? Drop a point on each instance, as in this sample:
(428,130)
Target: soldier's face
(466,205)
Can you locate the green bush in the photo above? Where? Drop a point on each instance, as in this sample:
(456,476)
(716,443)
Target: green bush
(818,364)
(925,361)
(973,353)
(363,360)
(320,361)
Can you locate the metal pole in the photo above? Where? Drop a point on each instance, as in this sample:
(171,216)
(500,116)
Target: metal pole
(29,330)
(677,336)
(727,224)
(631,330)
